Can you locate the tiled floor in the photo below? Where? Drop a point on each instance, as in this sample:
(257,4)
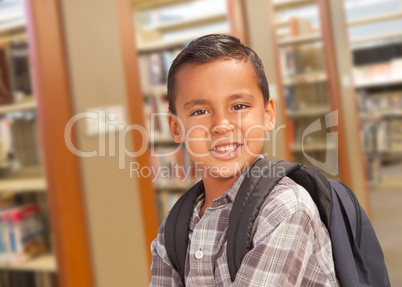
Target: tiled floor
(387,217)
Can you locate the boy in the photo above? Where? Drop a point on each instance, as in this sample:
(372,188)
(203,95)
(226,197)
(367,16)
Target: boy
(220,107)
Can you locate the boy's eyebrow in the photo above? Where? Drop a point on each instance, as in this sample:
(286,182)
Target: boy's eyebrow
(241,96)
(204,101)
(195,102)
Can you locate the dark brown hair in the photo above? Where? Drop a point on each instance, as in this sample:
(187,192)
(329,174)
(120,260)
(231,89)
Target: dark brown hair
(213,47)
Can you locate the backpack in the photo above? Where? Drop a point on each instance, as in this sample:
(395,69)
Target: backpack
(357,254)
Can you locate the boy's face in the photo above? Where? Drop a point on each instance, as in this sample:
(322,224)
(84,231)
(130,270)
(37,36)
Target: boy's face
(221,116)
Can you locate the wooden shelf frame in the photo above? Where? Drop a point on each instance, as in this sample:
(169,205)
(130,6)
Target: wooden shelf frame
(312,147)
(16,24)
(339,70)
(288,4)
(309,112)
(381,37)
(42,263)
(54,109)
(23,185)
(360,21)
(300,39)
(212,17)
(18,107)
(312,77)
(135,100)
(373,84)
(375,19)
(180,42)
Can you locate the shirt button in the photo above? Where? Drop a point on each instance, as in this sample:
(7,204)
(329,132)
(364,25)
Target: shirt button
(199,254)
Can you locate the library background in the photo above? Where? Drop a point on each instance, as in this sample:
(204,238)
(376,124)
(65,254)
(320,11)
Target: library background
(73,212)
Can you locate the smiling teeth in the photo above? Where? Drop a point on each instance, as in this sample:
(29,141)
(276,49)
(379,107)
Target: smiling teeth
(226,148)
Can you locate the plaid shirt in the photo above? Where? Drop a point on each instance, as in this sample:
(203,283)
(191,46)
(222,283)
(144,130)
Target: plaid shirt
(292,246)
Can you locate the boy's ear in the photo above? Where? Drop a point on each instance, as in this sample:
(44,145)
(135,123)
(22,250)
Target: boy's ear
(269,115)
(176,127)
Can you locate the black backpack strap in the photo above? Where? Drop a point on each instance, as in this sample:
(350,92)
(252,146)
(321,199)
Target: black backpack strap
(317,185)
(256,186)
(176,228)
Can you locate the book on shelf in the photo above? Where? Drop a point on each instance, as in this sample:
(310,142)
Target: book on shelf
(15,79)
(396,69)
(145,73)
(382,132)
(377,54)
(20,139)
(157,69)
(300,26)
(395,135)
(154,68)
(156,117)
(301,59)
(373,168)
(168,56)
(368,136)
(309,95)
(19,57)
(380,102)
(151,106)
(5,86)
(22,236)
(378,72)
(395,101)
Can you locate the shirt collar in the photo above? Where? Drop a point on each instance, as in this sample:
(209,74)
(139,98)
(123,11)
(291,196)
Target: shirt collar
(228,196)
(231,192)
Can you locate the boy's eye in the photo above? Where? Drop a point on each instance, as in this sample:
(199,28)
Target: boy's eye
(199,112)
(239,107)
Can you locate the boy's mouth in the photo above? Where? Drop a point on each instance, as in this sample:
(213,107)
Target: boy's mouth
(225,147)
(226,150)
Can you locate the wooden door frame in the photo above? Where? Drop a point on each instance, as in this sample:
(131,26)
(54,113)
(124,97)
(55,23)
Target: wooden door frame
(136,110)
(54,109)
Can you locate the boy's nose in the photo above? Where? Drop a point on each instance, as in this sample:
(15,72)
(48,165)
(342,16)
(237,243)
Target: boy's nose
(222,125)
(222,128)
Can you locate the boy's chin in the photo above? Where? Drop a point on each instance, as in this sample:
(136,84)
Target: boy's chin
(226,171)
(224,176)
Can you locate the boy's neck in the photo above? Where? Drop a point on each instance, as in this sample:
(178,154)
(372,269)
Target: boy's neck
(214,187)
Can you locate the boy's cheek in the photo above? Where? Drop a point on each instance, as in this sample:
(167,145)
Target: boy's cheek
(197,135)
(197,131)
(254,141)
(254,133)
(197,148)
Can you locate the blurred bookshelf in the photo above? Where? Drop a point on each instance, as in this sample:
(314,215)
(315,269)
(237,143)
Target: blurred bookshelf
(26,249)
(315,84)
(304,78)
(376,45)
(375,41)
(163,29)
